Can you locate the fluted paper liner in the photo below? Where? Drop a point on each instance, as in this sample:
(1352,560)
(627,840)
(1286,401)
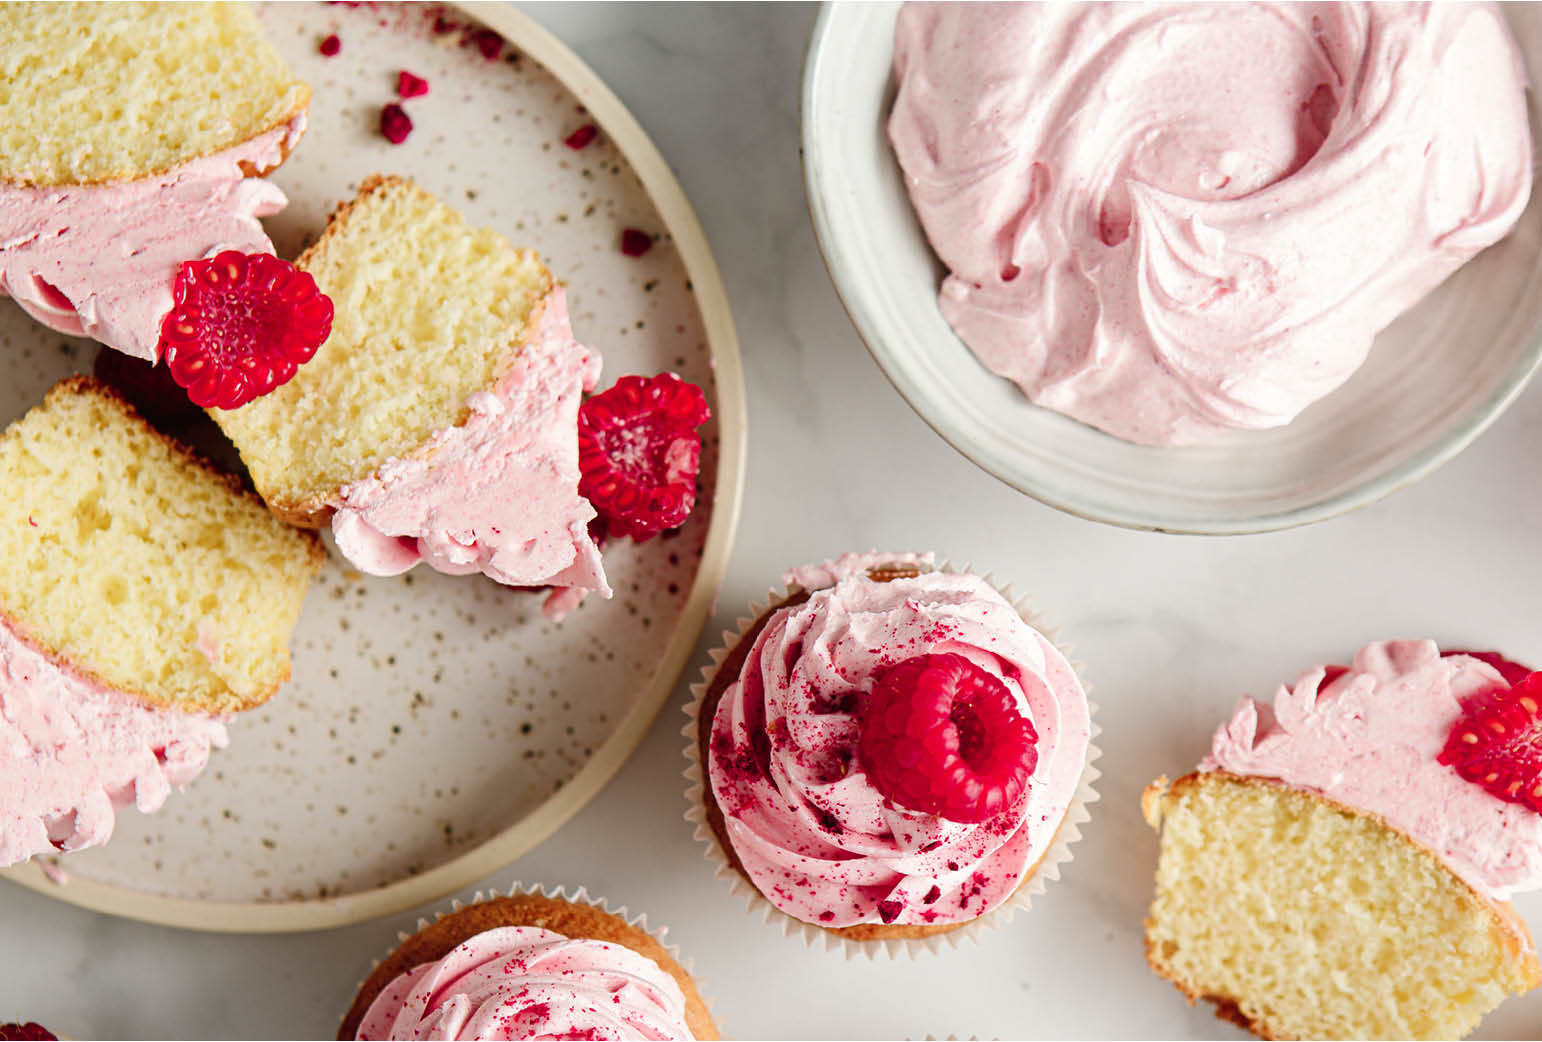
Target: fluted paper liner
(579,896)
(1047,870)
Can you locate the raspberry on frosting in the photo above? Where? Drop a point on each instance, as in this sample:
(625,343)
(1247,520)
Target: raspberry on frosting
(813,776)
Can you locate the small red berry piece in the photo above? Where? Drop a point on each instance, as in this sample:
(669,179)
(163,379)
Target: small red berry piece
(395,124)
(488,42)
(1329,675)
(638,453)
(148,386)
(581,137)
(28,1032)
(240,325)
(1513,672)
(410,86)
(330,46)
(635,242)
(1497,743)
(943,736)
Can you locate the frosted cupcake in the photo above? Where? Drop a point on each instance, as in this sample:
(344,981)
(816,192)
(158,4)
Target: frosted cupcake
(529,966)
(889,752)
(1340,865)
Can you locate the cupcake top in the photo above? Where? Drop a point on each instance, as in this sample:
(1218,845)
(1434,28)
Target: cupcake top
(895,752)
(525,982)
(1387,736)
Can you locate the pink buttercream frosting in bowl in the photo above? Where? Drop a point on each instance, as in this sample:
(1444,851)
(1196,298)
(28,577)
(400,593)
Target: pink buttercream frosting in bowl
(73,751)
(1368,738)
(807,825)
(497,494)
(1172,220)
(99,260)
(523,982)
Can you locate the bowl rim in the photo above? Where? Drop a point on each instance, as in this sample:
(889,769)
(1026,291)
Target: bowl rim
(832,254)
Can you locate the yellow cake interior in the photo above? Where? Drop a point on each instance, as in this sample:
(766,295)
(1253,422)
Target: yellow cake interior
(125,557)
(93,92)
(427,311)
(1307,920)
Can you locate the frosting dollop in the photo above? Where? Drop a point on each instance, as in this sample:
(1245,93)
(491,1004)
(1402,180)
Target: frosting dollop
(1368,739)
(99,260)
(523,982)
(73,751)
(812,832)
(1169,220)
(497,494)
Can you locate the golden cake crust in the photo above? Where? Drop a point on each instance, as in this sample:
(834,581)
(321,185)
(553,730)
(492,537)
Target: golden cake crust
(1161,792)
(568,918)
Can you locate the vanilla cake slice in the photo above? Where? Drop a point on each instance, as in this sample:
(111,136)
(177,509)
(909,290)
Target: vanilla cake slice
(128,561)
(439,421)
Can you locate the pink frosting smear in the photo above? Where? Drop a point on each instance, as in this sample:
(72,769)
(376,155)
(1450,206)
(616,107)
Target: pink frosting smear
(1172,220)
(812,832)
(522,982)
(99,260)
(73,751)
(1369,739)
(497,494)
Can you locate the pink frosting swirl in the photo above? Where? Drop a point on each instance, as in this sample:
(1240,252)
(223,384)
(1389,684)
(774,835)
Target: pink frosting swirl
(522,982)
(73,751)
(1171,220)
(1369,738)
(497,494)
(814,835)
(99,260)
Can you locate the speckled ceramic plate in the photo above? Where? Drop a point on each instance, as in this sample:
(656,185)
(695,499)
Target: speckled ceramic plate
(1435,378)
(436,727)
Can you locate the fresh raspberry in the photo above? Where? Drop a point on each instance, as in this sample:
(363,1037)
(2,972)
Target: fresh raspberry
(635,242)
(1497,743)
(27,1032)
(410,86)
(1513,672)
(148,386)
(581,137)
(240,325)
(395,124)
(942,736)
(638,453)
(330,46)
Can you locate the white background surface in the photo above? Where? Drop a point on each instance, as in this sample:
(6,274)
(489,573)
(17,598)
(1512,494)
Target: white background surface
(1172,630)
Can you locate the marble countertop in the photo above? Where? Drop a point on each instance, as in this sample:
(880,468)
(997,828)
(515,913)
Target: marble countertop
(1172,630)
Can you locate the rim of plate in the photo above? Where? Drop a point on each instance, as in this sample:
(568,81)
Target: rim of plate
(974,443)
(664,190)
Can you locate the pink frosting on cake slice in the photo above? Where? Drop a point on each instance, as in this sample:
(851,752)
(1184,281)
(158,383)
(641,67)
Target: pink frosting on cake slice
(1369,738)
(497,494)
(73,751)
(99,260)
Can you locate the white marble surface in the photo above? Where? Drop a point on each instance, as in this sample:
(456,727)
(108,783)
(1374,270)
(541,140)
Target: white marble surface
(1172,630)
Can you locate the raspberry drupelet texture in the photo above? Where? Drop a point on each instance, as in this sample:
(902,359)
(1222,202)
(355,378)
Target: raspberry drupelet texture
(942,736)
(639,453)
(241,325)
(1497,743)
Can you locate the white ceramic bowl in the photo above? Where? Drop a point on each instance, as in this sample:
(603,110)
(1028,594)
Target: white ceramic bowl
(1434,380)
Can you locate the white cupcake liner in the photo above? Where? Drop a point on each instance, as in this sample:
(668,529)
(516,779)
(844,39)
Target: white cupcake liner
(579,896)
(1048,869)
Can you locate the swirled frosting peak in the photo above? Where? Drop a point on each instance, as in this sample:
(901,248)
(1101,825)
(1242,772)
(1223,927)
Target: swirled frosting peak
(1368,737)
(1169,220)
(523,982)
(808,826)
